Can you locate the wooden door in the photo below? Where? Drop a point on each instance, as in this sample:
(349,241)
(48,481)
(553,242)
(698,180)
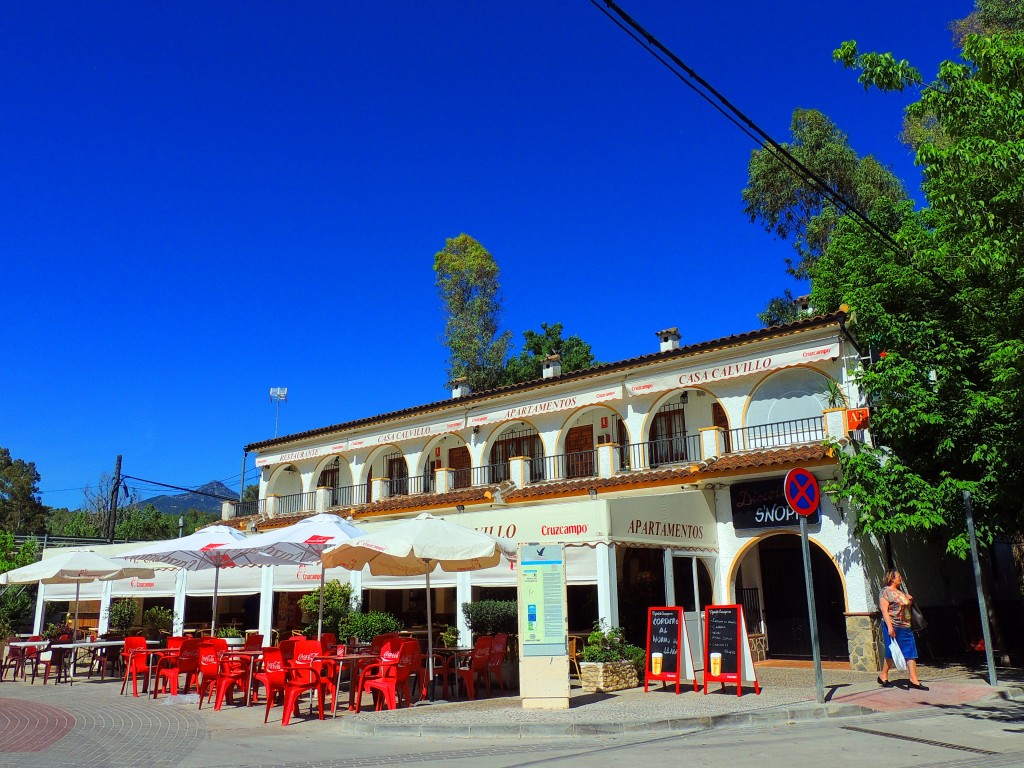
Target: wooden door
(459,462)
(579,449)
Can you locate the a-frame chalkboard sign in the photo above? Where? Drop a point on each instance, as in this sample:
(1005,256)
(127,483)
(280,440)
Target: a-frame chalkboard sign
(666,635)
(725,633)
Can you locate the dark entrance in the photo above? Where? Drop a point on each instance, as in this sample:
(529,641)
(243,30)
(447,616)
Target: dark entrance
(785,601)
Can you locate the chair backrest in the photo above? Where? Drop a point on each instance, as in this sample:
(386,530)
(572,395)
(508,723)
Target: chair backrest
(498,645)
(378,643)
(305,651)
(410,658)
(209,658)
(482,652)
(288,648)
(188,655)
(219,643)
(253,642)
(174,642)
(33,650)
(273,665)
(574,647)
(329,641)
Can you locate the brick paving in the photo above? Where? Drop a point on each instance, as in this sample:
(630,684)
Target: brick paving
(26,726)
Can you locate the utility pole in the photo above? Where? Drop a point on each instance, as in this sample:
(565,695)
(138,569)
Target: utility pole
(114,491)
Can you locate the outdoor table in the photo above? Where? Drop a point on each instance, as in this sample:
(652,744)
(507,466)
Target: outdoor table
(149,652)
(89,645)
(25,644)
(341,661)
(252,655)
(448,654)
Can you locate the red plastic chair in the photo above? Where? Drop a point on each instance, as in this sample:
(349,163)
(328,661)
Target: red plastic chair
(56,661)
(298,678)
(288,647)
(391,654)
(170,667)
(391,688)
(136,662)
(210,651)
(15,660)
(233,673)
(494,663)
(329,642)
(253,642)
(474,667)
(271,677)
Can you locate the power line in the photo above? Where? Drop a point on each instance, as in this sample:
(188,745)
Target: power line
(721,104)
(180,488)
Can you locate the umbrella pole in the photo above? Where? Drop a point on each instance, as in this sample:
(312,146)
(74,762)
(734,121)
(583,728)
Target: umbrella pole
(74,629)
(216,583)
(430,642)
(320,617)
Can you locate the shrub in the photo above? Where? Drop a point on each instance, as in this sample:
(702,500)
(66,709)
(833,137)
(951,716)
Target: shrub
(367,626)
(338,604)
(450,637)
(121,615)
(488,617)
(161,618)
(605,645)
(229,632)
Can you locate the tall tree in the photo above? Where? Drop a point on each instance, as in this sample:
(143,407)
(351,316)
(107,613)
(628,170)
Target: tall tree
(794,209)
(21,510)
(466,276)
(948,310)
(574,352)
(146,524)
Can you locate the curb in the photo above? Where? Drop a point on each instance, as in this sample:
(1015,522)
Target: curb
(561,730)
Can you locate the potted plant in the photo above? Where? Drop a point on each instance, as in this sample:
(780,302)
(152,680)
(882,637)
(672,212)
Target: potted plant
(450,637)
(608,662)
(121,614)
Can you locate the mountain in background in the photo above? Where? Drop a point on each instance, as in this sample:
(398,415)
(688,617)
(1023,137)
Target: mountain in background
(180,503)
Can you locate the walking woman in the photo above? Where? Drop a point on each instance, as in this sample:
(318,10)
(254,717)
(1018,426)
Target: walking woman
(895,606)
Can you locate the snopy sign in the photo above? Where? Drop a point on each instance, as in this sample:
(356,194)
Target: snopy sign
(802,492)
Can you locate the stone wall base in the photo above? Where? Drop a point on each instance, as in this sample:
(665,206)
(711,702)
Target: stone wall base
(863,636)
(610,676)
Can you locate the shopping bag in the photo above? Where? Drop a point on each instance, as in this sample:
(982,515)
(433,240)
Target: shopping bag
(897,655)
(917,619)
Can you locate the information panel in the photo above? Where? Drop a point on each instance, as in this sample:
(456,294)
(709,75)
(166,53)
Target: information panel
(726,648)
(543,623)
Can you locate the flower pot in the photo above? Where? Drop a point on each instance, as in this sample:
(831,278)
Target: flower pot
(607,676)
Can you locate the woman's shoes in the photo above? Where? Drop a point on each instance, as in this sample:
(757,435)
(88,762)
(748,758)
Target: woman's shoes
(884,683)
(918,687)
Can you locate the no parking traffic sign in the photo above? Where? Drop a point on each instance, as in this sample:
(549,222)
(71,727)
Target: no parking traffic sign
(802,492)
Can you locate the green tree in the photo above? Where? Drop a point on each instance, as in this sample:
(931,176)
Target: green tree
(466,276)
(251,492)
(21,510)
(196,519)
(792,208)
(146,524)
(948,310)
(574,352)
(80,524)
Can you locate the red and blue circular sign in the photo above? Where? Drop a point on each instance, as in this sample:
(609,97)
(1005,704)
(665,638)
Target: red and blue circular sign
(802,492)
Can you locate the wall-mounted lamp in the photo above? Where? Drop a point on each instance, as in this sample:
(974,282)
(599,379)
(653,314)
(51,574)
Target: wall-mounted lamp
(252,527)
(476,429)
(460,508)
(592,492)
(683,398)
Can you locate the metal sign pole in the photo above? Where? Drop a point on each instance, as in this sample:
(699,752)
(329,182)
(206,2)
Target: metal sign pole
(982,604)
(819,683)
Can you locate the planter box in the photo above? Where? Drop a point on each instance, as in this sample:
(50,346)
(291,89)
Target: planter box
(608,676)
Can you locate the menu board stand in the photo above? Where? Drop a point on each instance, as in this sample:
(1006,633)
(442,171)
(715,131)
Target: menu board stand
(725,634)
(666,635)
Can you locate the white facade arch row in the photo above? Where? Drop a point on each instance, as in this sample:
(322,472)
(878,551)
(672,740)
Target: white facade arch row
(697,410)
(286,480)
(756,392)
(345,474)
(573,419)
(369,472)
(511,425)
(445,442)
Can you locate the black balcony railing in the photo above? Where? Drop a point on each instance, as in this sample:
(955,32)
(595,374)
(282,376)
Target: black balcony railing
(296,502)
(250,508)
(775,435)
(348,495)
(564,466)
(657,453)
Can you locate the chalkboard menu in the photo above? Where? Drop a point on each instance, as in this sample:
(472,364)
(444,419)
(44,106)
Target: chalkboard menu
(762,504)
(722,627)
(663,638)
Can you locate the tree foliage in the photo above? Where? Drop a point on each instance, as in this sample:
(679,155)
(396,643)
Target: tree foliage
(466,276)
(21,510)
(948,310)
(574,353)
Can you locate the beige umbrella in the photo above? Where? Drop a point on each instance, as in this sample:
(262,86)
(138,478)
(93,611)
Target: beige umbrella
(418,546)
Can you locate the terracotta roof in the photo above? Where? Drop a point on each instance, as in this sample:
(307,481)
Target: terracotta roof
(597,370)
(730,465)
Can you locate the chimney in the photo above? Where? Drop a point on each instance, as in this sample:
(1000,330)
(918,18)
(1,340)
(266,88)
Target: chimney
(460,387)
(552,367)
(669,339)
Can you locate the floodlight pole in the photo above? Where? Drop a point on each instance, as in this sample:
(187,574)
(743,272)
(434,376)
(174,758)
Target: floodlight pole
(277,394)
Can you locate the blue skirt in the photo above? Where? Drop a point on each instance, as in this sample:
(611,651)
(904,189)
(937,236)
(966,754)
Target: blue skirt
(905,640)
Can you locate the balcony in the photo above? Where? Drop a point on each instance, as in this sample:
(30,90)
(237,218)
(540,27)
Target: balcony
(776,435)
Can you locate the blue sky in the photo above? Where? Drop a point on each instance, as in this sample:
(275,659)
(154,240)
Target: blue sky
(206,200)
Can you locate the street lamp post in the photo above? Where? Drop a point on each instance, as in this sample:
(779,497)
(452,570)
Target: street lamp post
(181,525)
(277,394)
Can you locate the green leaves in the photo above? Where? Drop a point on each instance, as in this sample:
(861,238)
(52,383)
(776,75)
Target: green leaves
(878,70)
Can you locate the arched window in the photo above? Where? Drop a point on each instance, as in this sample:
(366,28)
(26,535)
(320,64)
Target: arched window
(517,442)
(667,443)
(330,475)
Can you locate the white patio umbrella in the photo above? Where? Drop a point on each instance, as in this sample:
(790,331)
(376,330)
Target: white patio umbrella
(196,552)
(299,543)
(418,546)
(75,567)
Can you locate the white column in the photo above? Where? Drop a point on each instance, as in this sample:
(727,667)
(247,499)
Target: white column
(607,585)
(355,580)
(180,584)
(323,500)
(607,460)
(266,623)
(463,594)
(670,582)
(37,625)
(103,625)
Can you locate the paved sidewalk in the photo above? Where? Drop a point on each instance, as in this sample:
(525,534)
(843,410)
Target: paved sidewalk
(90,725)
